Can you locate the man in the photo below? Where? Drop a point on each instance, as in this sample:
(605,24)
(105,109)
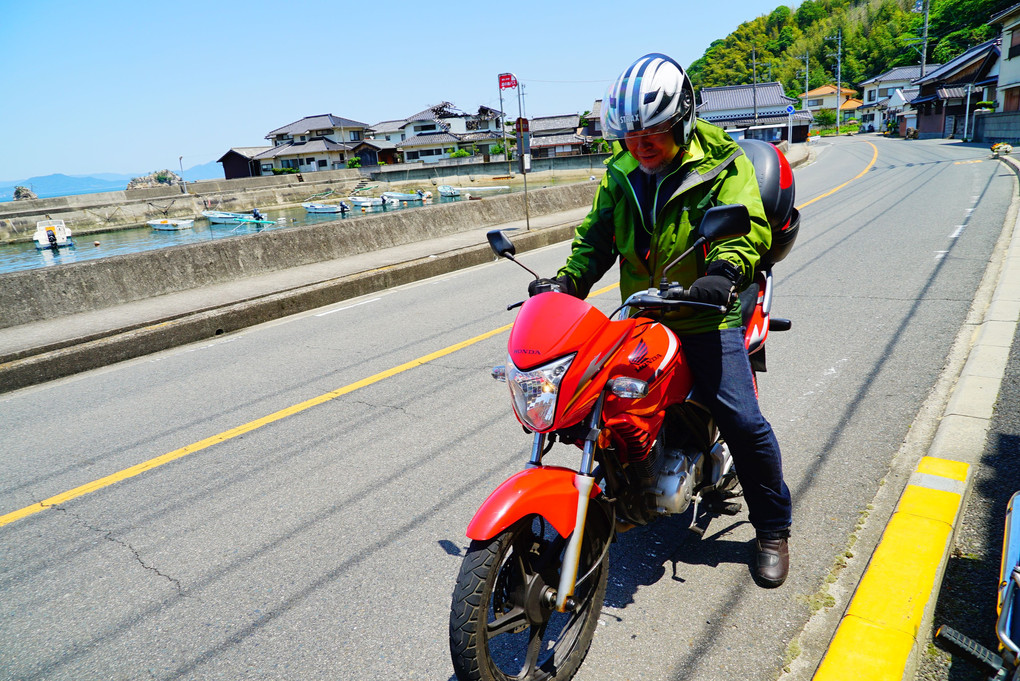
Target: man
(670,169)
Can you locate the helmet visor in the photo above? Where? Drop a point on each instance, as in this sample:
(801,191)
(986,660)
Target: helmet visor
(637,135)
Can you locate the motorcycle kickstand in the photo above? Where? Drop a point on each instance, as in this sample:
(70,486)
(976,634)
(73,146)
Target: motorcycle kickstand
(694,527)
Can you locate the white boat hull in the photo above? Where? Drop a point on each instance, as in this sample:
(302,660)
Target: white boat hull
(171,225)
(365,201)
(224,218)
(325,207)
(52,234)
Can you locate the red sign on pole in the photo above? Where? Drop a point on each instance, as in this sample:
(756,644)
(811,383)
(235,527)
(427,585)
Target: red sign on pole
(521,125)
(507,81)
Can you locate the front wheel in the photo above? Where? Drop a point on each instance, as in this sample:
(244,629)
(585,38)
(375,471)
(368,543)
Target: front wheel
(502,622)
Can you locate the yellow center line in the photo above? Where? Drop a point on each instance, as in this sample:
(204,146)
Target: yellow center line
(158,461)
(874,157)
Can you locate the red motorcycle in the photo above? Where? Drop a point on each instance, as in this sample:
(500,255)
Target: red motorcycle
(532,583)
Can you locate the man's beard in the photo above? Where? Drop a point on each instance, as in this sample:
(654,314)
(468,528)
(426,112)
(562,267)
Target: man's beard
(657,169)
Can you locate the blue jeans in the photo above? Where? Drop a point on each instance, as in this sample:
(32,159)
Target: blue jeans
(723,381)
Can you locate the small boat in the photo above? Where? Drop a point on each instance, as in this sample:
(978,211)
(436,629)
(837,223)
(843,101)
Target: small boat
(52,234)
(448,191)
(223,217)
(494,188)
(168,225)
(365,201)
(326,207)
(399,196)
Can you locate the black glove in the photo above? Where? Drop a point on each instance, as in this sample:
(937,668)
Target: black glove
(718,286)
(563,284)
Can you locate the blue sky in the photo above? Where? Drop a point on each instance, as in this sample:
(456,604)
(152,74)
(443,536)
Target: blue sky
(128,87)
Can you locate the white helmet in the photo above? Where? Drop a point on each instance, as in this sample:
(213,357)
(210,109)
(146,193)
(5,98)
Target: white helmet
(653,90)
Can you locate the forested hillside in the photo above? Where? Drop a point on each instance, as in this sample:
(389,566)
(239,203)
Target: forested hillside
(877,35)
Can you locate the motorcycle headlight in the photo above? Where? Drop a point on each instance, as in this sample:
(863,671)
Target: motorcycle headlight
(534,392)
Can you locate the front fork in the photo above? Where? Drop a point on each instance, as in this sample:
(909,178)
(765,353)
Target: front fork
(583,481)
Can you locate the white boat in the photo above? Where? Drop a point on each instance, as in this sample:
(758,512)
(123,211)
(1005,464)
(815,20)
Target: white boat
(365,201)
(448,191)
(52,234)
(326,207)
(399,196)
(495,188)
(168,225)
(223,217)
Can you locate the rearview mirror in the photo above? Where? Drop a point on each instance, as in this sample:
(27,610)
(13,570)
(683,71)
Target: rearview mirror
(502,246)
(724,222)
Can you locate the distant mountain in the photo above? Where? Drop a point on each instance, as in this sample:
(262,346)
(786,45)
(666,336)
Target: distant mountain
(59,184)
(208,171)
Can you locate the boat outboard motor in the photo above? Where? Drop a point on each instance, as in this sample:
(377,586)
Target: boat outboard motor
(51,236)
(256,214)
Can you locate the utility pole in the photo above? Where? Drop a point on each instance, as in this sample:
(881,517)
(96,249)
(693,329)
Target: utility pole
(924,39)
(839,75)
(754,82)
(806,80)
(966,114)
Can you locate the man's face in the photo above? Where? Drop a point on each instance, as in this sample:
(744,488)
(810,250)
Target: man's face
(654,148)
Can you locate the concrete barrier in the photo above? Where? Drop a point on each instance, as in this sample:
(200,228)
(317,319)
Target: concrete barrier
(45,293)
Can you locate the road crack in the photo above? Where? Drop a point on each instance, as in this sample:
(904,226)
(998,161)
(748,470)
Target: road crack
(109,536)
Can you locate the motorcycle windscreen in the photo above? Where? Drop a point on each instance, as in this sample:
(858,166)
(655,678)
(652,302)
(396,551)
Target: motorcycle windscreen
(552,325)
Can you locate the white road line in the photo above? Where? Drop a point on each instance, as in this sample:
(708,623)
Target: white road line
(346,307)
(957,232)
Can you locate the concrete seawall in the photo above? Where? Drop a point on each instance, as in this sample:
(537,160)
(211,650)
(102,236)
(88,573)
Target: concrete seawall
(106,211)
(46,293)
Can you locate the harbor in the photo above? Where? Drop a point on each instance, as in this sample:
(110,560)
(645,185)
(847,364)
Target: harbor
(24,255)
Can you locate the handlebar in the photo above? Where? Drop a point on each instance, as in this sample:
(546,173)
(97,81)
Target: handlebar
(669,297)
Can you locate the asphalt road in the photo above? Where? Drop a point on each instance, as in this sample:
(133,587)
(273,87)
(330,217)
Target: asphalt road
(295,540)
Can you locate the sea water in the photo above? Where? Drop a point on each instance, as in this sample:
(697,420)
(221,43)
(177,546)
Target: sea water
(25,256)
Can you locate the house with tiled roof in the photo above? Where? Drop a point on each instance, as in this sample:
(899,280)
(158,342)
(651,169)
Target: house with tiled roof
(825,98)
(1002,124)
(883,96)
(754,111)
(440,130)
(949,94)
(553,136)
(319,142)
(241,162)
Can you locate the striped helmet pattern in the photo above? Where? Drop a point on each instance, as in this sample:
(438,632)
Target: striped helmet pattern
(653,90)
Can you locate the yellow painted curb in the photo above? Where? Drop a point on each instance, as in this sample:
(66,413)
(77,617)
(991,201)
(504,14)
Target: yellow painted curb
(852,655)
(878,633)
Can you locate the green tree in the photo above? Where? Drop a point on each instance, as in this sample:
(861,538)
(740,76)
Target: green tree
(825,118)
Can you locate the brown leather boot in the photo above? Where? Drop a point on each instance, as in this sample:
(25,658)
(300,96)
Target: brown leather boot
(772,562)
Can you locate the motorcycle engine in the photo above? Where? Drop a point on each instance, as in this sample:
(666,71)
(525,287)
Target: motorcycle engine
(674,484)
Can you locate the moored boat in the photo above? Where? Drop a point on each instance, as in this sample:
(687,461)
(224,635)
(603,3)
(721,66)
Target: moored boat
(169,225)
(52,234)
(494,188)
(223,217)
(448,191)
(400,196)
(365,201)
(326,207)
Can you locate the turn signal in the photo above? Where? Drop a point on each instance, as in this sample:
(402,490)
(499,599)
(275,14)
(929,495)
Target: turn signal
(499,373)
(631,388)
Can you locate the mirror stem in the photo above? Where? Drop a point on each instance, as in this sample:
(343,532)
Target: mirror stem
(511,259)
(700,241)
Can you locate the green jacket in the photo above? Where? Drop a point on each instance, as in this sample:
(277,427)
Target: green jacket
(712,172)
